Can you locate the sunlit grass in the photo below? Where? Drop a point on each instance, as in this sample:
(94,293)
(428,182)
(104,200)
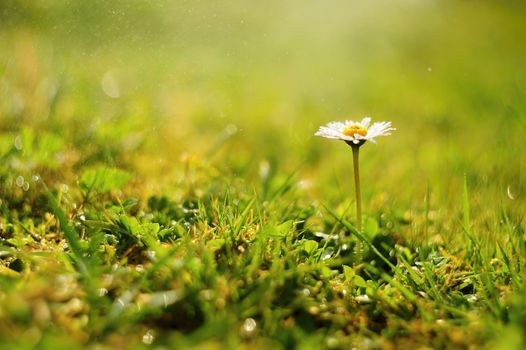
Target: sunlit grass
(161,184)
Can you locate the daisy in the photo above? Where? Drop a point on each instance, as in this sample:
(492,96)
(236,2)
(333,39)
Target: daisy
(355,134)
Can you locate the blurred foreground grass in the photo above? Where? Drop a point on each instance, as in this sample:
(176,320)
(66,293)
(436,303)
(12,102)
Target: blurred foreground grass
(189,204)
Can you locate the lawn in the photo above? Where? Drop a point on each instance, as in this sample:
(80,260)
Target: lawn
(161,186)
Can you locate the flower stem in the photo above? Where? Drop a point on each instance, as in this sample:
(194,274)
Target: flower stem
(356,156)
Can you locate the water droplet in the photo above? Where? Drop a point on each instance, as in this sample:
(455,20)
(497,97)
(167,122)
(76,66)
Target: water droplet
(148,337)
(327,253)
(20,181)
(510,195)
(362,298)
(64,188)
(206,294)
(231,129)
(264,169)
(304,184)
(110,86)
(333,343)
(18,143)
(35,178)
(472,298)
(151,254)
(249,326)
(25,186)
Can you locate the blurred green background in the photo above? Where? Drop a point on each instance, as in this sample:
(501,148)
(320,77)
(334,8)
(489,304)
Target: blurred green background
(238,89)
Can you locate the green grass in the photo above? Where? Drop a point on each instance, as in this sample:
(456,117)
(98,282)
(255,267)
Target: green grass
(161,187)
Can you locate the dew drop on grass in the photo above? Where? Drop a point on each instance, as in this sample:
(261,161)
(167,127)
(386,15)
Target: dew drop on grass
(249,326)
(327,253)
(64,188)
(20,181)
(148,337)
(206,294)
(150,254)
(333,343)
(304,184)
(264,169)
(25,186)
(472,298)
(362,299)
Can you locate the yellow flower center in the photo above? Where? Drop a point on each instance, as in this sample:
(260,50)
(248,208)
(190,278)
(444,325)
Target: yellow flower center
(354,129)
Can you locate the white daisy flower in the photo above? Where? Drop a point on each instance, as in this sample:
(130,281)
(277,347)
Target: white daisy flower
(355,132)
